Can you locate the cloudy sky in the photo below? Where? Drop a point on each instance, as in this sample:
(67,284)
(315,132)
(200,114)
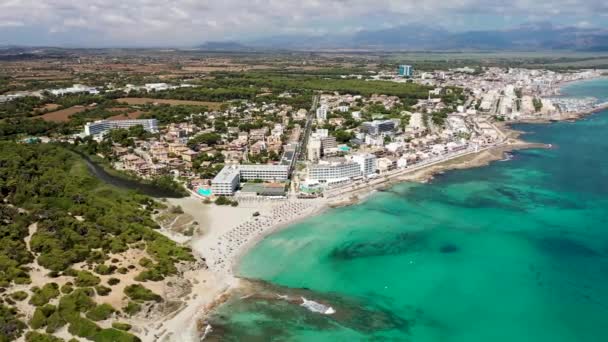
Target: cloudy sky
(176,23)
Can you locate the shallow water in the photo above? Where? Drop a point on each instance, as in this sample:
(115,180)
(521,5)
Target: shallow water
(515,251)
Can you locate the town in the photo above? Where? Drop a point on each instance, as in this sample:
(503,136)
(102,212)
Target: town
(136,183)
(253,149)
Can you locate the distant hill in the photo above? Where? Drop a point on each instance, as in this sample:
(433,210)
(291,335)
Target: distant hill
(538,36)
(544,36)
(404,37)
(222,46)
(17,53)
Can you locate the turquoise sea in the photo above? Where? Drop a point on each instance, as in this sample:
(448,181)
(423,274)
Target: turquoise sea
(515,251)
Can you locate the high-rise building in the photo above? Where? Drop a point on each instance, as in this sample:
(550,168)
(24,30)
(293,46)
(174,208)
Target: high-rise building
(314,149)
(367,162)
(322,132)
(319,142)
(406,70)
(328,142)
(322,113)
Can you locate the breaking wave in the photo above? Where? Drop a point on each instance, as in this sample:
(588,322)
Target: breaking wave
(317,307)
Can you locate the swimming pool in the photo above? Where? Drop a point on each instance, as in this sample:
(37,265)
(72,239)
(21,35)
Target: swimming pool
(204,192)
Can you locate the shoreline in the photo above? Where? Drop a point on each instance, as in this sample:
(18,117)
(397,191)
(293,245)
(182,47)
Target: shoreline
(565,116)
(210,246)
(319,209)
(226,271)
(563,84)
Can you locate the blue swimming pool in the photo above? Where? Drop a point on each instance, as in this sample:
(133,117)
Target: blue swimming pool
(204,192)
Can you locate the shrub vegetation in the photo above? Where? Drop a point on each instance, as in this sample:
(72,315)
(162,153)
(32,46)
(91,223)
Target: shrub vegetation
(54,187)
(139,293)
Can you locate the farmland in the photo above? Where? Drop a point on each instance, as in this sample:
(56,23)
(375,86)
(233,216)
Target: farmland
(63,115)
(127,116)
(143,101)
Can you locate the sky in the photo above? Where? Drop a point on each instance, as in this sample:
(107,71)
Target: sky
(183,23)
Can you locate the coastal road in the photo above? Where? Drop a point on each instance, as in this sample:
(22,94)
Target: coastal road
(301,149)
(301,153)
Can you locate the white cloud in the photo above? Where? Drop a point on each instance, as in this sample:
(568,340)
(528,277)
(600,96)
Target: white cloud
(74,22)
(584,24)
(11,23)
(183,22)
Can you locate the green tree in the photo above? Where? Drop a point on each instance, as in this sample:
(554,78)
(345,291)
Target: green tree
(11,327)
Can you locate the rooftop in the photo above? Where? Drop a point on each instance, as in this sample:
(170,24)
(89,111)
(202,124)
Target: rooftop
(262,167)
(227,174)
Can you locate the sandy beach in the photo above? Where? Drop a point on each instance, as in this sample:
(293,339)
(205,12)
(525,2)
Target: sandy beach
(208,284)
(224,234)
(227,233)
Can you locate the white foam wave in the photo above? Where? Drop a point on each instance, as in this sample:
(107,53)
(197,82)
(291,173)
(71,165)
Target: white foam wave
(208,330)
(317,307)
(508,156)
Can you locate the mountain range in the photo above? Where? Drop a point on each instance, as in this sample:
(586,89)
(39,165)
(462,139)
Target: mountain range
(537,36)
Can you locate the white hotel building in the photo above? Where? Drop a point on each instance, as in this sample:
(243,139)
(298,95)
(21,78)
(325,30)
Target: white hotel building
(227,181)
(264,172)
(75,89)
(367,162)
(102,126)
(322,113)
(334,171)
